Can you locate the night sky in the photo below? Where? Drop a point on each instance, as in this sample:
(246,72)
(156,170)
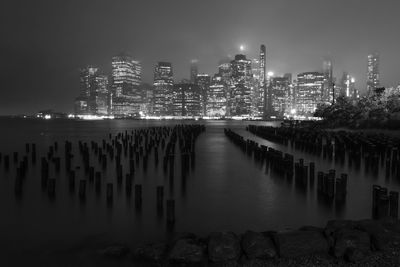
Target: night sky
(44,43)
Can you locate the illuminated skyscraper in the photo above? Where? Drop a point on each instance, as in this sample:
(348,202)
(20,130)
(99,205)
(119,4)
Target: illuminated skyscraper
(346,86)
(87,76)
(261,97)
(203,81)
(94,96)
(263,64)
(186,100)
(99,97)
(241,101)
(194,70)
(126,75)
(163,89)
(309,92)
(373,72)
(327,89)
(217,101)
(280,96)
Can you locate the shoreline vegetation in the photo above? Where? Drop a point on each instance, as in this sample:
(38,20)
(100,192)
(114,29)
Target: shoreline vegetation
(380,110)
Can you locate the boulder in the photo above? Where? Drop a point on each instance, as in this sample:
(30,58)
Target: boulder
(150,252)
(187,251)
(223,247)
(354,255)
(298,243)
(381,238)
(334,225)
(117,251)
(390,224)
(180,235)
(311,228)
(346,239)
(258,246)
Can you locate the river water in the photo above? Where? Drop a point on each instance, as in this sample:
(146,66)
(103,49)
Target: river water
(227,190)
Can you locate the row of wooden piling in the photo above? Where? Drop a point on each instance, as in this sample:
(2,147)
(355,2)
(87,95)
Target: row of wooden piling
(384,204)
(370,148)
(283,164)
(135,146)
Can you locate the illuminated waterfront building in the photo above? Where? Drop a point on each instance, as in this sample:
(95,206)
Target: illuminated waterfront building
(280,96)
(146,92)
(241,98)
(309,92)
(126,75)
(94,96)
(163,89)
(262,84)
(194,70)
(126,78)
(327,89)
(98,103)
(217,100)
(346,86)
(186,100)
(203,81)
(373,73)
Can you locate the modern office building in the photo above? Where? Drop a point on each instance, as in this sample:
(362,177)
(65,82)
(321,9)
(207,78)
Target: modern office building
(241,95)
(186,100)
(163,89)
(262,87)
(203,81)
(126,76)
(98,103)
(309,92)
(194,70)
(373,73)
(263,64)
(281,97)
(217,99)
(346,86)
(327,90)
(94,95)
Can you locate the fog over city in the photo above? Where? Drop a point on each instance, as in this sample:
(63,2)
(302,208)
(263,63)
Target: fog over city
(46,43)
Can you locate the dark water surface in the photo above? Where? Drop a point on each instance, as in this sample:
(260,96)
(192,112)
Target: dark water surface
(227,190)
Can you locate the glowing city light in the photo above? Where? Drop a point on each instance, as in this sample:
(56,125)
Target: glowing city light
(270,73)
(241,48)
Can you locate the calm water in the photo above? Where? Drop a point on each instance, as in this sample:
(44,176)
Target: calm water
(226,191)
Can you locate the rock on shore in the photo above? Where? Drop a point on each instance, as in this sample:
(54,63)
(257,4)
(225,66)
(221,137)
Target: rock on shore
(341,243)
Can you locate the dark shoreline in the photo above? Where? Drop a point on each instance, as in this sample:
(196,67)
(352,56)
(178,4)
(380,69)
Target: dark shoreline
(340,243)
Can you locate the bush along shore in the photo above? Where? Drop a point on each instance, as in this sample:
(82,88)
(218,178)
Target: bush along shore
(340,243)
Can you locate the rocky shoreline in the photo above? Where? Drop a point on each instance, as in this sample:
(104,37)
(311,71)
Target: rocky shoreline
(340,243)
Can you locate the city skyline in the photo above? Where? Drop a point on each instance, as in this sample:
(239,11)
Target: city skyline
(51,54)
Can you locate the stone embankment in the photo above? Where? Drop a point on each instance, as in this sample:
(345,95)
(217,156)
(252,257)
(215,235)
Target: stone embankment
(340,243)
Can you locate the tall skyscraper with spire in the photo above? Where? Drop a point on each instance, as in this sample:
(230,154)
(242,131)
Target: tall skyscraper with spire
(373,72)
(263,63)
(262,86)
(327,90)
